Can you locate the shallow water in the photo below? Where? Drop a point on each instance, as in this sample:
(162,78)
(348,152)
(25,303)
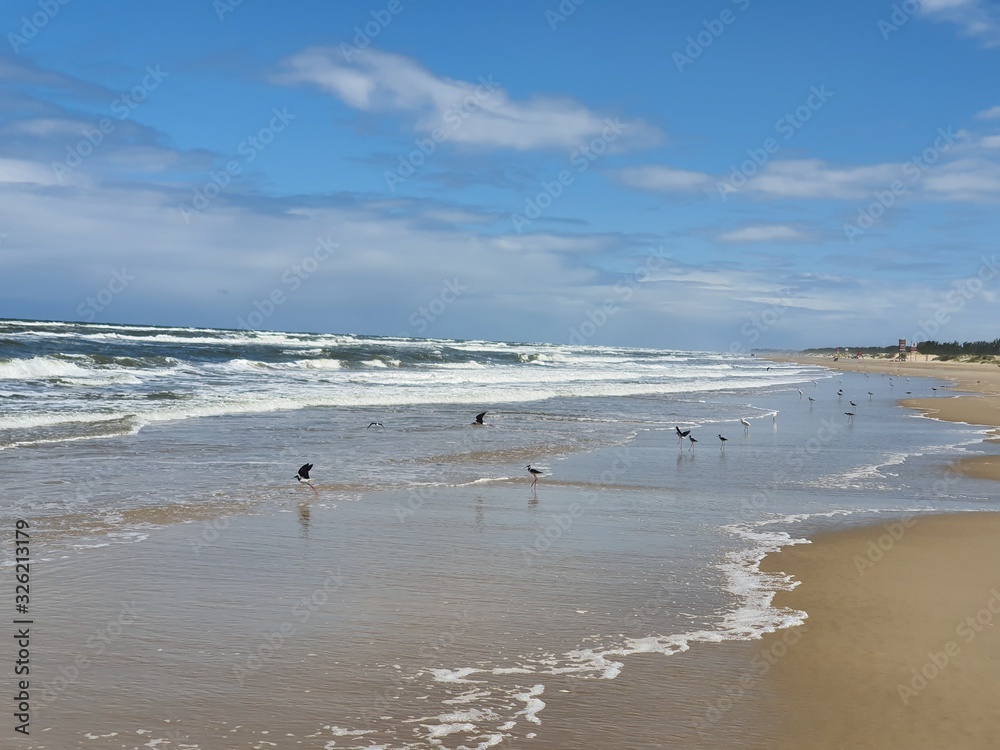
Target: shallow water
(427,597)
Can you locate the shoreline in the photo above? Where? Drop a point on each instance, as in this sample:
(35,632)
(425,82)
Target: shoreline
(981,408)
(897,646)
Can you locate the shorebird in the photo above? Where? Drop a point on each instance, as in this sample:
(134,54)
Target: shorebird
(479,419)
(681,434)
(852,403)
(811,398)
(303,476)
(870,394)
(800,392)
(693,441)
(850,416)
(535,473)
(722,441)
(746,426)
(840,391)
(375,424)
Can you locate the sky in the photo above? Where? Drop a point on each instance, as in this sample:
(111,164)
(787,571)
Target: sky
(722,175)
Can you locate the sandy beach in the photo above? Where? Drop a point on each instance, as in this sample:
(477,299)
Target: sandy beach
(899,649)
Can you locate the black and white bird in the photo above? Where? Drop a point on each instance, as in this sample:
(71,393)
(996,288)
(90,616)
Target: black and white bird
(693,441)
(479,419)
(852,403)
(811,398)
(870,394)
(722,442)
(746,426)
(375,424)
(850,416)
(681,434)
(535,473)
(303,476)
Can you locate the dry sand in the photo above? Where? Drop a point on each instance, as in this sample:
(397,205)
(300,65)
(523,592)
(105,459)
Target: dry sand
(901,648)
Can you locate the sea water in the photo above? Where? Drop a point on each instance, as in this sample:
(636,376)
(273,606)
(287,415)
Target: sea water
(453,593)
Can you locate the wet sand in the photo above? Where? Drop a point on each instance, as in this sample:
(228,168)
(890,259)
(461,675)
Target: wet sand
(901,646)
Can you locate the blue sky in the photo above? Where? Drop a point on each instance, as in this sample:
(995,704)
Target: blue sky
(723,175)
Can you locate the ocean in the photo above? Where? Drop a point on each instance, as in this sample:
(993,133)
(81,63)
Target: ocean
(432,597)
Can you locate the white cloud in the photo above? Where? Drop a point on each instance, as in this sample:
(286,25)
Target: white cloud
(990,141)
(814,178)
(975,180)
(663,179)
(477,113)
(762,233)
(20,171)
(976,18)
(993,113)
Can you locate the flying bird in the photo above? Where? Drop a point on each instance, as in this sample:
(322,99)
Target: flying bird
(479,419)
(375,424)
(303,476)
(681,434)
(535,473)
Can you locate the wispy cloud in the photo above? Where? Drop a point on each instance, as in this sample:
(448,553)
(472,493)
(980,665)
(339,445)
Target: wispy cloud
(663,179)
(763,233)
(976,18)
(25,172)
(382,82)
